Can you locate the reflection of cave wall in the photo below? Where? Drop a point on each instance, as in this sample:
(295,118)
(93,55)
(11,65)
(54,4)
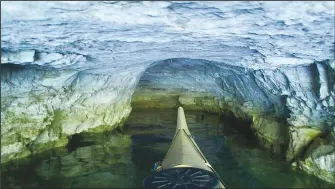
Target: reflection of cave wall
(279,102)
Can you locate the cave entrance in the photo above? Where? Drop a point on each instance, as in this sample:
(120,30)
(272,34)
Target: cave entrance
(172,83)
(193,84)
(228,91)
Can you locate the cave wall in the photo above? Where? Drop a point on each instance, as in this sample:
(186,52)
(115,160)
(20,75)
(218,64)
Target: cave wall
(289,106)
(41,107)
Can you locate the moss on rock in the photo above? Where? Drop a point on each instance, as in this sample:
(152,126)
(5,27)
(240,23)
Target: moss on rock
(107,128)
(40,147)
(271,132)
(319,158)
(310,167)
(154,99)
(300,138)
(35,139)
(200,101)
(8,157)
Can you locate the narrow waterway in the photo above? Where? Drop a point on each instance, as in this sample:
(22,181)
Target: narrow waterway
(123,158)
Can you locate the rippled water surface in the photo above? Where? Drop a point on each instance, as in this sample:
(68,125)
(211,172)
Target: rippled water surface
(124,158)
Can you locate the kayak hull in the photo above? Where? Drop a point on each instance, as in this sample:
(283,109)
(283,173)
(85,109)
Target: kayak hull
(183,159)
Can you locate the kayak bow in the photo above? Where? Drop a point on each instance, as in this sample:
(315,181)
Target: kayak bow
(184,165)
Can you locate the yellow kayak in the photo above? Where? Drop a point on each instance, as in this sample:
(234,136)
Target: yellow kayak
(184,165)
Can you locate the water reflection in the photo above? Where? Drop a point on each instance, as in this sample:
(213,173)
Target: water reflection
(114,160)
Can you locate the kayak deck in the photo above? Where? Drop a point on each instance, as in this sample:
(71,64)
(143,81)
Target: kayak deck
(183,150)
(184,165)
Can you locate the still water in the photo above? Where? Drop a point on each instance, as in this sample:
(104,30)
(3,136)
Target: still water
(122,159)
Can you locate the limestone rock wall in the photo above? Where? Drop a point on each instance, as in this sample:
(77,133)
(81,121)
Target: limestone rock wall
(41,107)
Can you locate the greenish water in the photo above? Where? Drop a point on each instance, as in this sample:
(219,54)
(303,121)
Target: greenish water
(122,159)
